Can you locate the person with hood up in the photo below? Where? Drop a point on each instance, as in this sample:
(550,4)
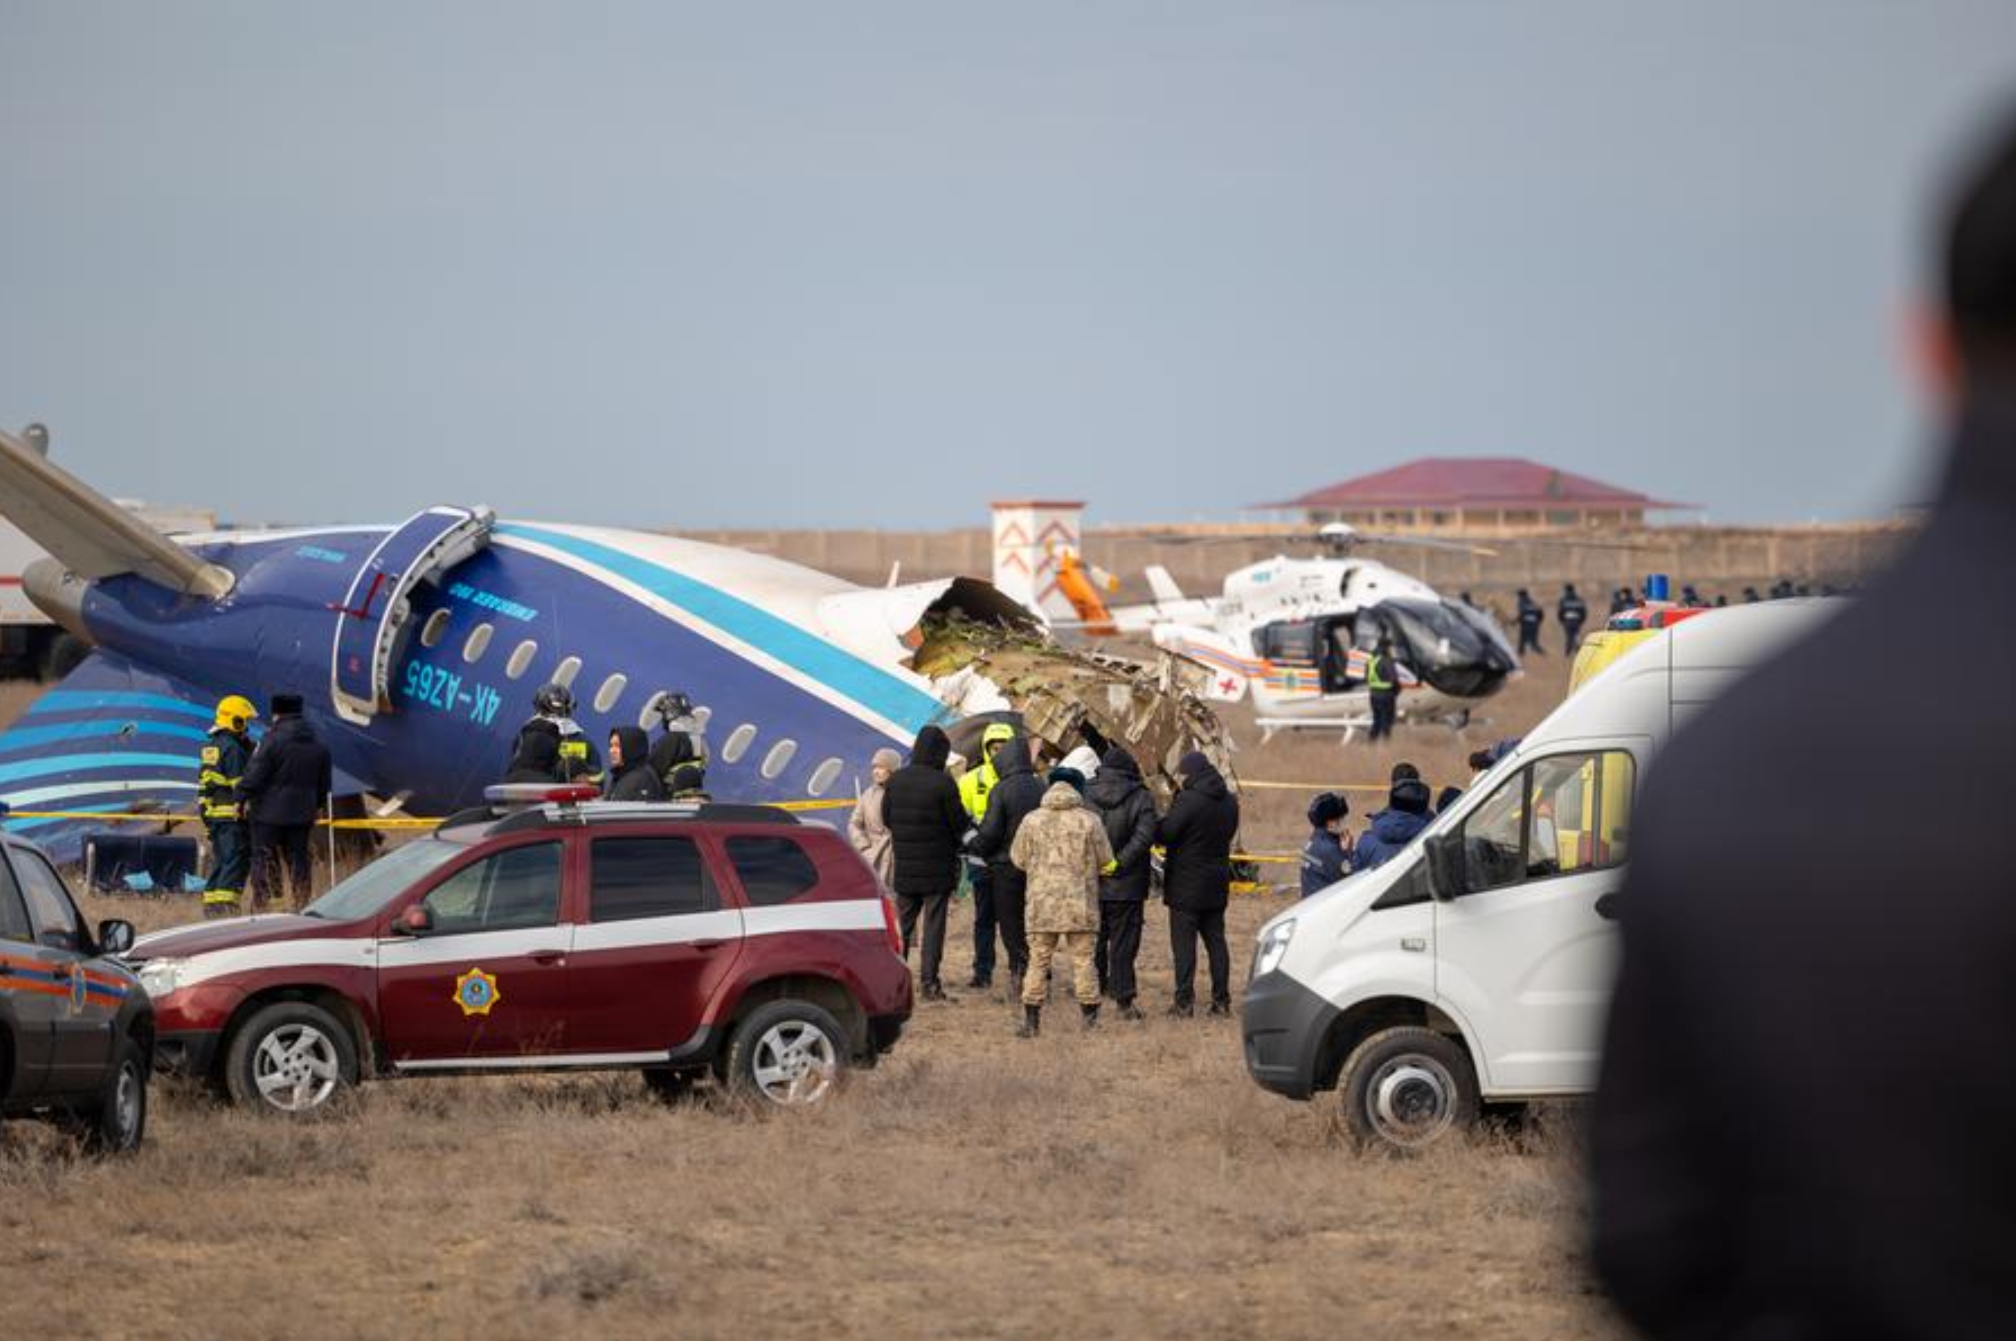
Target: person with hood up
(1326,857)
(1126,811)
(1196,837)
(1400,823)
(538,754)
(920,806)
(867,831)
(285,787)
(631,777)
(974,785)
(1060,849)
(1016,794)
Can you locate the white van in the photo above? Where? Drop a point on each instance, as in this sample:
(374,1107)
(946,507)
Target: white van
(1475,967)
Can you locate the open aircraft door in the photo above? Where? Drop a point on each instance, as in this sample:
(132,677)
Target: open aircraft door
(376,610)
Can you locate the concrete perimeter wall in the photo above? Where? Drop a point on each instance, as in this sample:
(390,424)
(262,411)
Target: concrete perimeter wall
(1713,558)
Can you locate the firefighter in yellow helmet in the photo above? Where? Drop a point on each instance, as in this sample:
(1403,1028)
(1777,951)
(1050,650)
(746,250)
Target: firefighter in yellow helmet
(225,754)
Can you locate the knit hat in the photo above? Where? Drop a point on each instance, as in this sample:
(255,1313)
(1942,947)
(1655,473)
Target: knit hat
(1085,759)
(1068,775)
(1404,770)
(286,705)
(1327,806)
(1191,764)
(1409,796)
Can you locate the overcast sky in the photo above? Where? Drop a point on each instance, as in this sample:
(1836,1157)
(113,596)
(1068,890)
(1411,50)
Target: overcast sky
(873,264)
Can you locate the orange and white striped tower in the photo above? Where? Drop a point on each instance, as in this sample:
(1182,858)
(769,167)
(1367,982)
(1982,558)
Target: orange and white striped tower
(1029,535)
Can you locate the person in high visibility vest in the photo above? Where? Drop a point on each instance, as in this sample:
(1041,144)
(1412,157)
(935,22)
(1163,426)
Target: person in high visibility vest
(1382,682)
(220,766)
(974,786)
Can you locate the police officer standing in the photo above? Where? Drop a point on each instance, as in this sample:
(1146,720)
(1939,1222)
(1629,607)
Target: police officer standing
(1382,683)
(580,761)
(222,765)
(1531,616)
(1573,613)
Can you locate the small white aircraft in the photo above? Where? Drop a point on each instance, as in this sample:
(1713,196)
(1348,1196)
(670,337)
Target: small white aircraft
(1297,633)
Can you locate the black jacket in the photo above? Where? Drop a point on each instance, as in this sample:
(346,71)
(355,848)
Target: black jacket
(926,823)
(289,777)
(636,780)
(1015,796)
(1806,1125)
(1196,836)
(538,756)
(1128,812)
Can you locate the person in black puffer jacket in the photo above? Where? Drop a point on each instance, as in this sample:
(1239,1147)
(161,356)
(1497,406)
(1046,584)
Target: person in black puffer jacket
(1196,836)
(1016,794)
(285,788)
(1128,813)
(631,776)
(926,822)
(538,755)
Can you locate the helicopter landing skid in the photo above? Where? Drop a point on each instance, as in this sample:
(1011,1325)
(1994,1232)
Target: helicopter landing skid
(1350,726)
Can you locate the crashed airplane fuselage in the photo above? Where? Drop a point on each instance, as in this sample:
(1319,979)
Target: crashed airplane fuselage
(418,647)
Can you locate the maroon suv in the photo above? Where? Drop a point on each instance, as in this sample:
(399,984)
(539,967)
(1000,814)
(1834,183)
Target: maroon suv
(679,940)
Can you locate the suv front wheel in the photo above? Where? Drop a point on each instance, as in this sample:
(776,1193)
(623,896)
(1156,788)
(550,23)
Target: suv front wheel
(790,1053)
(291,1057)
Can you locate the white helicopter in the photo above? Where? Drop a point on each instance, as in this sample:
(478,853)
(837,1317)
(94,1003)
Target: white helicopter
(1297,633)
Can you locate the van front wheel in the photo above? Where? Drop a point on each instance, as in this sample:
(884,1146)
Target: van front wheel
(1406,1088)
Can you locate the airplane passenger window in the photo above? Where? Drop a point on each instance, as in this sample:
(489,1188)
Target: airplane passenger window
(738,743)
(647,716)
(478,642)
(824,776)
(611,690)
(779,757)
(521,659)
(436,628)
(564,673)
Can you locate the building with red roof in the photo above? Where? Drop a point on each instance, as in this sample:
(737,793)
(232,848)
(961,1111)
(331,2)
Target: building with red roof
(1475,493)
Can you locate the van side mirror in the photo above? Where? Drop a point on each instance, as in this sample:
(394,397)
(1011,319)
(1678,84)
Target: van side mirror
(115,936)
(415,921)
(1445,864)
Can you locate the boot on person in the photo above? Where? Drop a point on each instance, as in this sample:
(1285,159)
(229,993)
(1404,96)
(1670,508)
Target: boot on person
(1032,1022)
(1091,1014)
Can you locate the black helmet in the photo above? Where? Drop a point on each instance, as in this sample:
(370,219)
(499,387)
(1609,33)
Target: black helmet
(554,700)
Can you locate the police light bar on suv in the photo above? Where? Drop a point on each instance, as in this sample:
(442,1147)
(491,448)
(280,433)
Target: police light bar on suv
(516,794)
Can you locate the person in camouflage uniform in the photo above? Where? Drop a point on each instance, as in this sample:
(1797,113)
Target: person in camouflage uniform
(1062,848)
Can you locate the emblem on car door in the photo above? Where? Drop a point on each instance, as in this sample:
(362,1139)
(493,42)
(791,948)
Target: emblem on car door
(476,992)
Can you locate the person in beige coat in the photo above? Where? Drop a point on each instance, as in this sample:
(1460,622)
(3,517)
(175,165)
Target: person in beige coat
(866,830)
(1061,847)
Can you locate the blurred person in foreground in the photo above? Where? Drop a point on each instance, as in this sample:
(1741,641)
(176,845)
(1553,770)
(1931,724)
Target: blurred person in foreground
(1806,1125)
(1127,811)
(1196,837)
(1060,850)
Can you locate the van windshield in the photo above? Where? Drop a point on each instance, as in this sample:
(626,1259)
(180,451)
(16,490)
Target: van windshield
(376,885)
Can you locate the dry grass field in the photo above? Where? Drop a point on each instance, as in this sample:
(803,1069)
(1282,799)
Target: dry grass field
(1131,1182)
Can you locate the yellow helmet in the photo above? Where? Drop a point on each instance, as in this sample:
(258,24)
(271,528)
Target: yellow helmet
(235,712)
